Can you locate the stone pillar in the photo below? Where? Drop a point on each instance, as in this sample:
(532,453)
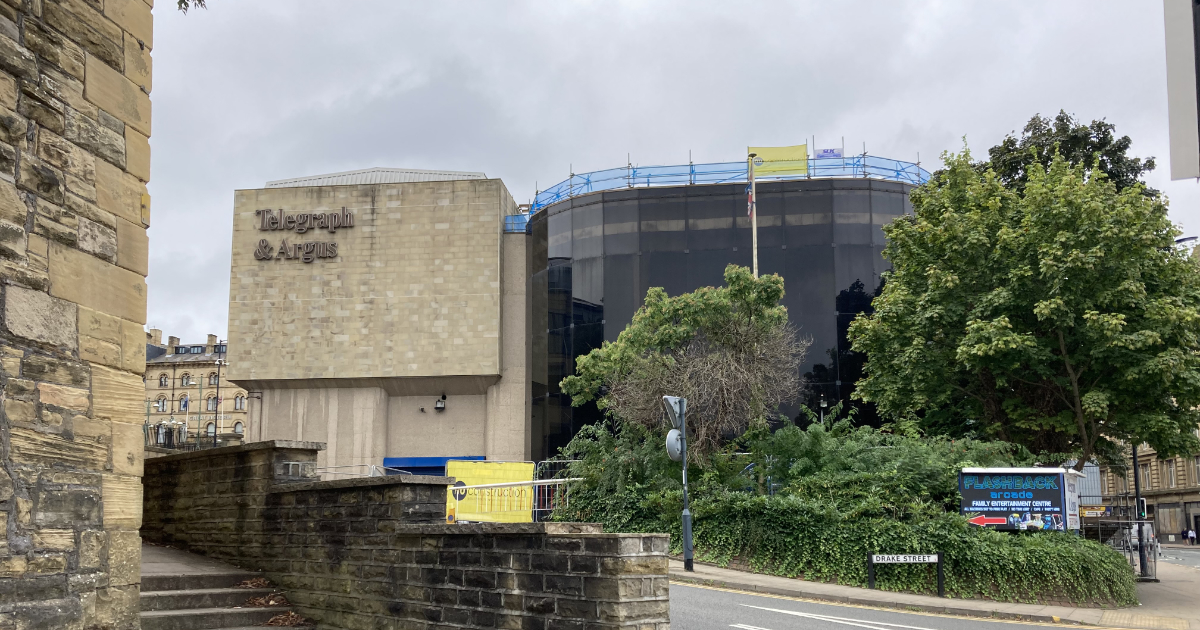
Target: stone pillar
(74,161)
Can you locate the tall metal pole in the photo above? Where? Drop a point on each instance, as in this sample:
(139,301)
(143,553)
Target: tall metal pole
(217,411)
(1137,513)
(687,512)
(753,213)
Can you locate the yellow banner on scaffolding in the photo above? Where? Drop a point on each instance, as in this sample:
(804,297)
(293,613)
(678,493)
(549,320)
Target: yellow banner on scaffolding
(769,161)
(506,504)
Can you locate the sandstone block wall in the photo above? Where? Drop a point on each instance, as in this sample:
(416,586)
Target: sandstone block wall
(413,291)
(74,161)
(375,552)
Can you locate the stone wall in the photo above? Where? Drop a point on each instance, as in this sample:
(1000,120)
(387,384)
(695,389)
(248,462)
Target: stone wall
(74,161)
(375,552)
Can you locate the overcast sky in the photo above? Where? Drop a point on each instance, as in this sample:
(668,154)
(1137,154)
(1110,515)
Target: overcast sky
(246,92)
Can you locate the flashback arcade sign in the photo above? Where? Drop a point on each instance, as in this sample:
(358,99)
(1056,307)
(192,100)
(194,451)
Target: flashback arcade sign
(1020,498)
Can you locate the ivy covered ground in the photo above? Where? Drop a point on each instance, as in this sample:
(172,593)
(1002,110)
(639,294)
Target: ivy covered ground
(839,494)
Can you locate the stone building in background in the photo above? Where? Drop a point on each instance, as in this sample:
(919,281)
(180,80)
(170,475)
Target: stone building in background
(187,389)
(74,161)
(1170,486)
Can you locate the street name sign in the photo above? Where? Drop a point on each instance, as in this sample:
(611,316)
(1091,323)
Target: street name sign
(906,558)
(926,558)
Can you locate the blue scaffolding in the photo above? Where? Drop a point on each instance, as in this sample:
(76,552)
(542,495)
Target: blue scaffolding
(854,166)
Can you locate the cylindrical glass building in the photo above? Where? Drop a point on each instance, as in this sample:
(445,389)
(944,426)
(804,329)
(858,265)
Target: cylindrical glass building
(593,256)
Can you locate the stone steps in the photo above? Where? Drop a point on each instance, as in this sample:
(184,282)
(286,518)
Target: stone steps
(207,618)
(195,581)
(201,598)
(203,601)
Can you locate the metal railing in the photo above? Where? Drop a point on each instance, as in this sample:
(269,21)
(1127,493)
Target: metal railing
(512,501)
(359,470)
(516,223)
(854,166)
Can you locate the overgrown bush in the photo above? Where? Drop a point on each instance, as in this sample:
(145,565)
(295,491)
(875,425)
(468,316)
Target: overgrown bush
(841,493)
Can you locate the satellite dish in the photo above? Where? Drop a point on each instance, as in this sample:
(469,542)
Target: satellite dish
(675,445)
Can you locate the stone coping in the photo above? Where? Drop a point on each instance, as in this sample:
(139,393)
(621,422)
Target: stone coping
(361,482)
(241,448)
(498,528)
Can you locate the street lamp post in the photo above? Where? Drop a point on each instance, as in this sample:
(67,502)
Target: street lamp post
(1137,514)
(217,411)
(677,410)
(823,405)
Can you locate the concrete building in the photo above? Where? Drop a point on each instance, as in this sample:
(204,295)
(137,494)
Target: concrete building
(382,312)
(406,317)
(188,389)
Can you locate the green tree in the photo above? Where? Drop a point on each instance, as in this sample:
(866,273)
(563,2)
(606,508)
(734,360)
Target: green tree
(1059,316)
(729,350)
(1095,144)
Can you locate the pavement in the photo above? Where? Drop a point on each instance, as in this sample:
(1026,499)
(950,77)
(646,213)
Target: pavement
(158,560)
(1173,603)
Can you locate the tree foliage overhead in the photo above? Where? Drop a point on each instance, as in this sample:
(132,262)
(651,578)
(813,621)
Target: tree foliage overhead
(729,350)
(184,5)
(1095,144)
(1059,316)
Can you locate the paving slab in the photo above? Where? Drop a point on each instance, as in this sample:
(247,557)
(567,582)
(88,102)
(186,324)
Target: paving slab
(158,560)
(1173,603)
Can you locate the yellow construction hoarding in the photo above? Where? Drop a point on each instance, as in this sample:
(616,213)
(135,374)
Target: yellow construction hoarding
(505,504)
(772,161)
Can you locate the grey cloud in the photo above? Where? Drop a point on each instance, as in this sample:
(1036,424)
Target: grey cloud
(246,92)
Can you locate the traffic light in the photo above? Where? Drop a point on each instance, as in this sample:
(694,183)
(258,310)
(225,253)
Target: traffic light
(1141,510)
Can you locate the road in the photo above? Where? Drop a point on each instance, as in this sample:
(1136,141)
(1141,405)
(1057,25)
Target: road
(1186,556)
(698,608)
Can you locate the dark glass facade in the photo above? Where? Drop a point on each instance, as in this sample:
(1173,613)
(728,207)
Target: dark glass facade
(593,257)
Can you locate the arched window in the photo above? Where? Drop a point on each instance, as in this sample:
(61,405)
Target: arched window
(239,402)
(164,380)
(212,429)
(212,378)
(183,402)
(160,405)
(239,428)
(212,403)
(185,380)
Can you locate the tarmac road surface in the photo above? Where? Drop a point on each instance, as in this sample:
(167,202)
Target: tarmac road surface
(702,608)
(1187,556)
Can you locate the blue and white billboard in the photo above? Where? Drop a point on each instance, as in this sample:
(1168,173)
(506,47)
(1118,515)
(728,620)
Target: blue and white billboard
(1020,498)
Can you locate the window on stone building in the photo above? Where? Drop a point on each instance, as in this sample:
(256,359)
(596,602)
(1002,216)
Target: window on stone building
(239,428)
(239,402)
(219,348)
(212,403)
(1144,469)
(1169,473)
(211,430)
(183,402)
(197,349)
(1196,465)
(181,349)
(160,405)
(185,380)
(164,380)
(212,378)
